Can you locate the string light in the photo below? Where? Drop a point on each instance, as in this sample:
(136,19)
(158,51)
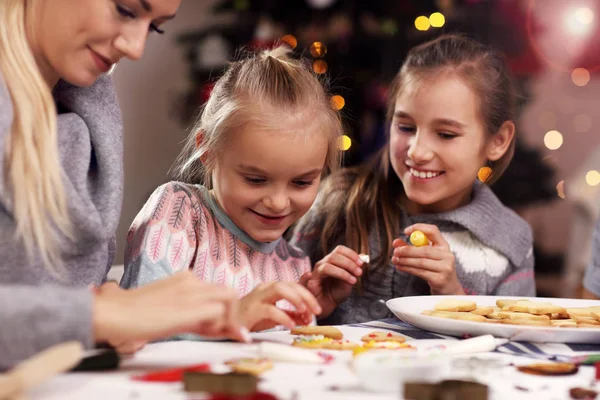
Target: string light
(547,120)
(553,140)
(290,40)
(320,67)
(560,189)
(582,123)
(318,49)
(593,178)
(345,143)
(422,23)
(437,20)
(338,102)
(580,76)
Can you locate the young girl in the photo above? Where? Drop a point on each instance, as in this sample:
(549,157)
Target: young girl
(263,140)
(450,113)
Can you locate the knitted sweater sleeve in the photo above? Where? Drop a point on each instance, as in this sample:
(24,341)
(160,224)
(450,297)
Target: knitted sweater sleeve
(162,239)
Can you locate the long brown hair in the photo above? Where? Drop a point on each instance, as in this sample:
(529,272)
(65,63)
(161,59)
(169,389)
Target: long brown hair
(373,190)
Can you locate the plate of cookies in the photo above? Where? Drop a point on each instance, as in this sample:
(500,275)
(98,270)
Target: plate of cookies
(532,319)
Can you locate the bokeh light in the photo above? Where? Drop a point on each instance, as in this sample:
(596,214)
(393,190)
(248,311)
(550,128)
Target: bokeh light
(560,189)
(547,120)
(290,40)
(582,123)
(345,142)
(580,76)
(318,49)
(437,20)
(584,15)
(553,140)
(320,66)
(422,23)
(593,178)
(338,102)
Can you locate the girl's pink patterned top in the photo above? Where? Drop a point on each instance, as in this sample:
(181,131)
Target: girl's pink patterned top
(181,227)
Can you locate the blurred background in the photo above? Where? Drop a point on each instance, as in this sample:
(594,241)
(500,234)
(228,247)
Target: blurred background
(550,46)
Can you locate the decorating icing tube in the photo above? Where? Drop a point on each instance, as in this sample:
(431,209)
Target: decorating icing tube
(479,344)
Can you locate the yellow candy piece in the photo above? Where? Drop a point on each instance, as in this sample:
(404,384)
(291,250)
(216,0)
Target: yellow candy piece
(418,239)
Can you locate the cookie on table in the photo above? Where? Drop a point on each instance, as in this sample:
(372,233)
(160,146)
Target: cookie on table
(522,315)
(495,313)
(534,307)
(465,316)
(564,323)
(327,331)
(455,305)
(531,322)
(507,302)
(386,345)
(587,325)
(311,342)
(253,366)
(485,311)
(379,336)
(342,344)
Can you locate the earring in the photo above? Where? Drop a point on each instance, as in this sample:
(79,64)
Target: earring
(484,174)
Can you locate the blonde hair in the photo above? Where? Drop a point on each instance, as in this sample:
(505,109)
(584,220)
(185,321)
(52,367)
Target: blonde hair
(32,163)
(271,77)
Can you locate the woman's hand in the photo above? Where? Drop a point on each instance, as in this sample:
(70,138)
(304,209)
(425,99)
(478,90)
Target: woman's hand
(434,263)
(333,278)
(178,304)
(258,310)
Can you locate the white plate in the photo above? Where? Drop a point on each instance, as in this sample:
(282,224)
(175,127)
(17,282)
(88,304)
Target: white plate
(409,309)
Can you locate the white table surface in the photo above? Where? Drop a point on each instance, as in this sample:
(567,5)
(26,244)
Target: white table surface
(296,381)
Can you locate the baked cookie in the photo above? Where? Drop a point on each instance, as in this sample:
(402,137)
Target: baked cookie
(485,311)
(507,302)
(386,345)
(534,307)
(465,316)
(342,344)
(455,305)
(253,366)
(535,322)
(327,331)
(378,336)
(564,323)
(522,315)
(311,342)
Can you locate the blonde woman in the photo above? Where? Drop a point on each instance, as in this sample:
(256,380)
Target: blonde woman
(61,184)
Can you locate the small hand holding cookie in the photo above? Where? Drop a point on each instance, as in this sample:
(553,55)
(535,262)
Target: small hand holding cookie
(434,263)
(259,312)
(333,277)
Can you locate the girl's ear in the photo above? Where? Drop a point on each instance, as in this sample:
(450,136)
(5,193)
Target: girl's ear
(501,141)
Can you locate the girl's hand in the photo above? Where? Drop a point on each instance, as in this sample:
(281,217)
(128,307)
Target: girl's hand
(258,310)
(434,263)
(178,304)
(333,277)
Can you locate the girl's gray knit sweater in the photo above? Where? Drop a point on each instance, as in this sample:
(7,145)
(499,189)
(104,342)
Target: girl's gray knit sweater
(492,245)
